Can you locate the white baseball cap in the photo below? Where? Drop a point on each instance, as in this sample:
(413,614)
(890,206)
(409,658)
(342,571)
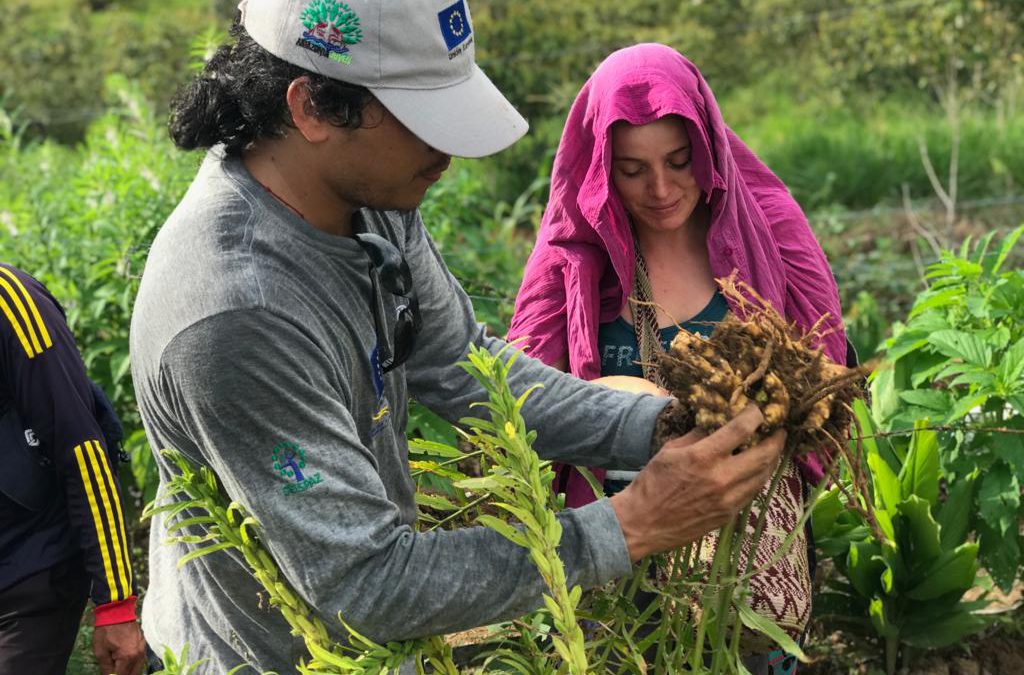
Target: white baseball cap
(415,56)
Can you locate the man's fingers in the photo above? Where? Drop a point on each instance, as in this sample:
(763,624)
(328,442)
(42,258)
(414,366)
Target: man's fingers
(106,665)
(132,666)
(688,439)
(758,461)
(736,431)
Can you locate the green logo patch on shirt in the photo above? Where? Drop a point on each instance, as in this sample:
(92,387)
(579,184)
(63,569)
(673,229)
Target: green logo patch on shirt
(289,460)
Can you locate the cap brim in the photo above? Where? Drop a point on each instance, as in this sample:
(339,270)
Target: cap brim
(469,119)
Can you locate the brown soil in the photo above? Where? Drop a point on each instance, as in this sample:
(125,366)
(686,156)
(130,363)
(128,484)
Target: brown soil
(997,651)
(991,655)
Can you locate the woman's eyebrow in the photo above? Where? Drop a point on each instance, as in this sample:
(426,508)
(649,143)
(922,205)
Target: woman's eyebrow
(620,158)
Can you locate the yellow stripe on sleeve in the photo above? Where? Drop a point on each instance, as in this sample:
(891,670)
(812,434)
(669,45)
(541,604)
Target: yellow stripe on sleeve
(97,521)
(32,306)
(17,328)
(20,306)
(98,458)
(119,512)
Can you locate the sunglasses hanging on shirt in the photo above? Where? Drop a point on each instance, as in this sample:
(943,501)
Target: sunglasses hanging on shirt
(390,271)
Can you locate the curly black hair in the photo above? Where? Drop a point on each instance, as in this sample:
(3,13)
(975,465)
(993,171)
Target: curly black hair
(240,97)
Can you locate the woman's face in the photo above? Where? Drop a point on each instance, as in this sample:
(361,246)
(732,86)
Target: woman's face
(653,174)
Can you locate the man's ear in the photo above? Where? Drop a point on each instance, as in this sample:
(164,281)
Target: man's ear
(313,128)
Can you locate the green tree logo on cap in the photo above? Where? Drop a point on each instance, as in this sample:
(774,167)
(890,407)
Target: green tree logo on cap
(330,25)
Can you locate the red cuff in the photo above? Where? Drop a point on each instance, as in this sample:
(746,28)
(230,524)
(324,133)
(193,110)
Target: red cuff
(122,611)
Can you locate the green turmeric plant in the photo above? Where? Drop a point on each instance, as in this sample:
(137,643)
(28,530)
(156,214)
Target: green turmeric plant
(761,359)
(959,361)
(904,584)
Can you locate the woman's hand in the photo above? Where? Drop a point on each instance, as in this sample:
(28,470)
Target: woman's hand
(636,385)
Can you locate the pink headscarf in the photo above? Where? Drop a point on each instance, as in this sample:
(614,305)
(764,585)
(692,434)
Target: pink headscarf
(580,273)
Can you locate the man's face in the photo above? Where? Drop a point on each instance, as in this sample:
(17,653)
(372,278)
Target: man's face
(382,164)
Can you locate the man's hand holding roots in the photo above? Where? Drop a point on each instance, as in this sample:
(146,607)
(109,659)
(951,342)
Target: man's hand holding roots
(695,484)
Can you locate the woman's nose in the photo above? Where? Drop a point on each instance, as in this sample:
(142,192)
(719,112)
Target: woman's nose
(658,185)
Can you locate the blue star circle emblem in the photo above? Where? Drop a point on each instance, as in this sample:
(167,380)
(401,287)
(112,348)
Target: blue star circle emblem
(457,23)
(454,24)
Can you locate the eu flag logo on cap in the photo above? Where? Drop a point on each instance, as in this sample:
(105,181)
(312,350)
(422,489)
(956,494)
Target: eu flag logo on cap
(455,24)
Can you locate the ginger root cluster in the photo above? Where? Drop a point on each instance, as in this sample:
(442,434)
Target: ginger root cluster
(759,357)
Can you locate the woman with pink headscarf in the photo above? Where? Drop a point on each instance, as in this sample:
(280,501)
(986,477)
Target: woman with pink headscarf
(653,197)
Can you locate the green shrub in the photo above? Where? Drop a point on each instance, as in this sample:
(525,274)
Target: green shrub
(959,360)
(56,54)
(906,557)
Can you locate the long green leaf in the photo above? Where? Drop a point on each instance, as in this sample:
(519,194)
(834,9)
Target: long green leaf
(592,481)
(435,502)
(1017,401)
(880,619)
(945,297)
(1002,555)
(941,631)
(866,425)
(884,519)
(920,474)
(1008,447)
(960,345)
(1011,367)
(933,399)
(965,406)
(506,530)
(524,516)
(769,628)
(909,342)
(188,522)
(956,513)
(192,555)
(824,513)
(864,567)
(481,484)
(922,534)
(953,571)
(434,448)
(999,499)
(1008,243)
(886,484)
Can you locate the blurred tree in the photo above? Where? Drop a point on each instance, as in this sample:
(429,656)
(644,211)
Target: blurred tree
(541,53)
(962,48)
(957,51)
(55,55)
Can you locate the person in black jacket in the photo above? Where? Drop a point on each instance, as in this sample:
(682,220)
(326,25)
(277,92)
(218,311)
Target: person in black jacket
(62,529)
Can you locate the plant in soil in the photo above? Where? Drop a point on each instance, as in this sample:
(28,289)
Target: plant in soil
(688,609)
(519,484)
(703,619)
(959,361)
(902,588)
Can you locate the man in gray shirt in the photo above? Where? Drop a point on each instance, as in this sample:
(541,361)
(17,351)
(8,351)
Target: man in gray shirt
(294,300)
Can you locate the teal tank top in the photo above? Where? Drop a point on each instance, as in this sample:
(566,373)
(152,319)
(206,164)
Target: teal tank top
(616,340)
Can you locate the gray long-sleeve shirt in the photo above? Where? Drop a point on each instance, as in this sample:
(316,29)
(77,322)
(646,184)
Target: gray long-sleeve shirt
(253,345)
